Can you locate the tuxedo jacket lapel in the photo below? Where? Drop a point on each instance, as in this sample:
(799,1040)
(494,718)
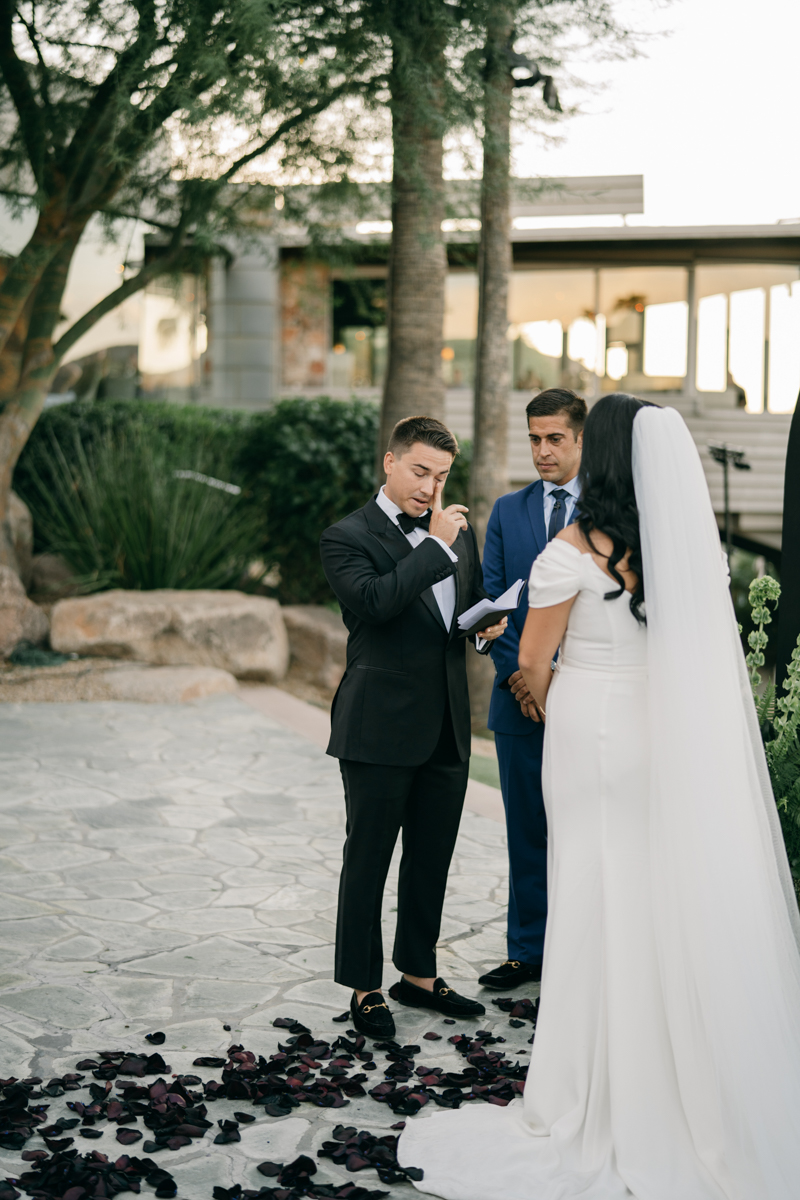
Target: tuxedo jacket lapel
(535,506)
(463,580)
(395,543)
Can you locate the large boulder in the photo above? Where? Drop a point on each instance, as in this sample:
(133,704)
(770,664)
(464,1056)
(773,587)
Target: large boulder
(242,634)
(20,619)
(20,532)
(318,644)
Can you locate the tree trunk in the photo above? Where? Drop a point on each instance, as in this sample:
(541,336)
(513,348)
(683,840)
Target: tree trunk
(38,368)
(417,259)
(489,475)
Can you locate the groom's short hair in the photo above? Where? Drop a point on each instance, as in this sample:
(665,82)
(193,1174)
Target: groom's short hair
(559,400)
(427,430)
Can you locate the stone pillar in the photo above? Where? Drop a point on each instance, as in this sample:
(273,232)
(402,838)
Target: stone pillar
(244,312)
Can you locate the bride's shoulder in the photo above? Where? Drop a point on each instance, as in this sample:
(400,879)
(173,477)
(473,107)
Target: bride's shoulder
(557,573)
(571,535)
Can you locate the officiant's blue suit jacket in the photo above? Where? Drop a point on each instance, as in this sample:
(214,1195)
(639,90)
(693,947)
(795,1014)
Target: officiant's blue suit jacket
(515,536)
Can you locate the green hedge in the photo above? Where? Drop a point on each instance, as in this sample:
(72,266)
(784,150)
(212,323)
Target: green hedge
(302,465)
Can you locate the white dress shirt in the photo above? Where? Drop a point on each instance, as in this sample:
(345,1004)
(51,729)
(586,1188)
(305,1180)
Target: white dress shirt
(572,499)
(445,590)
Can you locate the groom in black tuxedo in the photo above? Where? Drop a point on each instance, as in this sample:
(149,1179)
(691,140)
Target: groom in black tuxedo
(403,569)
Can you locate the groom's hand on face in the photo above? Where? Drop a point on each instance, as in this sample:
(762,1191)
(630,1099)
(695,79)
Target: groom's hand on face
(520,692)
(446,522)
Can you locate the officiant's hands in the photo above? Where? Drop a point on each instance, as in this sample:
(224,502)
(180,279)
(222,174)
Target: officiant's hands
(521,693)
(446,523)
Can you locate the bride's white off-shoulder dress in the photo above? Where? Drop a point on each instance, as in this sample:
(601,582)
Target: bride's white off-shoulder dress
(623,1098)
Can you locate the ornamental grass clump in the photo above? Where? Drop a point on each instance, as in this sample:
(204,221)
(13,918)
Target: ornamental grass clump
(779,720)
(132,510)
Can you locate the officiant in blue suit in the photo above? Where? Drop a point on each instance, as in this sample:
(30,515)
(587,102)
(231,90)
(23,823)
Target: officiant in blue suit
(521,525)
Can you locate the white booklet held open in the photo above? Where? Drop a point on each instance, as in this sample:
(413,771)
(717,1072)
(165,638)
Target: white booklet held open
(490,612)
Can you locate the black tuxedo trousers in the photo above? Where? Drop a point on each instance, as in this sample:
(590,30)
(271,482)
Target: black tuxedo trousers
(400,726)
(425,802)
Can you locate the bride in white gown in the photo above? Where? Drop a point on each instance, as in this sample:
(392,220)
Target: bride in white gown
(666,1063)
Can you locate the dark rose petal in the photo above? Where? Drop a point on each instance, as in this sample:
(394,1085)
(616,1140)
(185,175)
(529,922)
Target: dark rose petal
(432,1037)
(227,1028)
(54,1145)
(515,1024)
(270,1169)
(345,1016)
(356,1163)
(175,1143)
(246,1118)
(126,1137)
(399,1125)
(209,1061)
(91,1133)
(449,1021)
(155,1039)
(33,1155)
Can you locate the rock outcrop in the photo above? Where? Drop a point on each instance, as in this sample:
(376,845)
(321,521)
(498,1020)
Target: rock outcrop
(20,619)
(242,634)
(317,643)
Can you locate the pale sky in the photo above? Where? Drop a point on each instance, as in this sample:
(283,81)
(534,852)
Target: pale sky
(709,115)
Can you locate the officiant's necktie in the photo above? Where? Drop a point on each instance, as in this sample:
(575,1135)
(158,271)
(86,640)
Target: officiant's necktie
(408,523)
(558,517)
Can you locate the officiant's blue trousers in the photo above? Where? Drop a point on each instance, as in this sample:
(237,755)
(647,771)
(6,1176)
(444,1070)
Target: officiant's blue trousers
(519,757)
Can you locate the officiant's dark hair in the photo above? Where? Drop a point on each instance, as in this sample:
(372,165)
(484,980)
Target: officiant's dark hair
(427,430)
(608,501)
(555,400)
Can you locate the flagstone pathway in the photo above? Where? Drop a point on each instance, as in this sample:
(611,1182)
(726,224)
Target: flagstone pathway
(175,868)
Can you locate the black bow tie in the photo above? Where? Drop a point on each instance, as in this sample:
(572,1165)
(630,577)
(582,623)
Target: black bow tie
(408,523)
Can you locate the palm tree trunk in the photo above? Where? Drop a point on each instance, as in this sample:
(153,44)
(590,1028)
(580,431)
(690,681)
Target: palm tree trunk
(489,475)
(417,260)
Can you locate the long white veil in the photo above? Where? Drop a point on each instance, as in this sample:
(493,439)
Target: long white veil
(727,923)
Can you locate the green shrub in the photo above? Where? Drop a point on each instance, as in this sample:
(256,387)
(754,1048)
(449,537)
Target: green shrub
(779,720)
(302,465)
(306,464)
(116,507)
(213,434)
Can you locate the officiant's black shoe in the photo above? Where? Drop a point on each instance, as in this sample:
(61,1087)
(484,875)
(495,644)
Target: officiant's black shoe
(442,999)
(372,1016)
(510,974)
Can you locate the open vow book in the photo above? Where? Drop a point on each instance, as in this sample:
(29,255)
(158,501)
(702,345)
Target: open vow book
(489,612)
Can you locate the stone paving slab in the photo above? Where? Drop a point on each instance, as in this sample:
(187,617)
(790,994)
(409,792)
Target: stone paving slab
(174,867)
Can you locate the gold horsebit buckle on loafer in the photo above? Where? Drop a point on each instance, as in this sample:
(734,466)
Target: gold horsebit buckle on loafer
(445,991)
(510,962)
(369,1007)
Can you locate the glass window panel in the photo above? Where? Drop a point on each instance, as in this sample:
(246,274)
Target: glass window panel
(665,332)
(582,342)
(746,344)
(550,295)
(545,336)
(616,361)
(784,347)
(460,306)
(712,344)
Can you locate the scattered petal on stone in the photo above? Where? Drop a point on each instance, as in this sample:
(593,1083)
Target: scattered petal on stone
(432,1037)
(270,1169)
(155,1039)
(126,1137)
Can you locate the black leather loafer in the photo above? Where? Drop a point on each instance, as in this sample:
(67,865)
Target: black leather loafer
(510,974)
(442,999)
(372,1016)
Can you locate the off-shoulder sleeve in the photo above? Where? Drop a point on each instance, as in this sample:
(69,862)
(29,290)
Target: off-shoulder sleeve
(555,575)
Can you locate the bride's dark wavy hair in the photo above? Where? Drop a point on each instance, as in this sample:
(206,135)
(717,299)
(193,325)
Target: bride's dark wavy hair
(608,501)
